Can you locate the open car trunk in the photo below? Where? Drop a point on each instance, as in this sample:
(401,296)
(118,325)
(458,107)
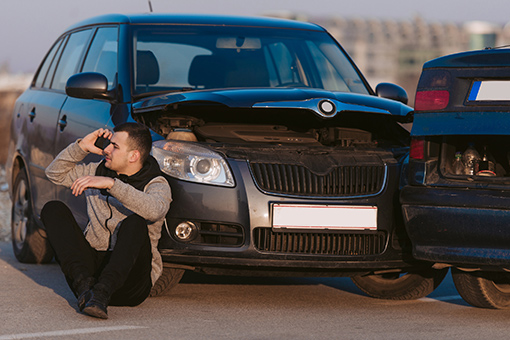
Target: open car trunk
(491,164)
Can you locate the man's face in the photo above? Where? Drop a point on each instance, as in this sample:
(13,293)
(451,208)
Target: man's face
(118,153)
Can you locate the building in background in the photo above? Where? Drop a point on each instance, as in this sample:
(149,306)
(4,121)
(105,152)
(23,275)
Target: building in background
(481,34)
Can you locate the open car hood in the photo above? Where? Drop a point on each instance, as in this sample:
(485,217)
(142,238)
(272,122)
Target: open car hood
(323,103)
(295,116)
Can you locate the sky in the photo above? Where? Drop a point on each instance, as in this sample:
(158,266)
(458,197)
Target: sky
(29,27)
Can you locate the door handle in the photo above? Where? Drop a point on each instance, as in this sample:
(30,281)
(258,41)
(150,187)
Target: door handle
(31,115)
(62,123)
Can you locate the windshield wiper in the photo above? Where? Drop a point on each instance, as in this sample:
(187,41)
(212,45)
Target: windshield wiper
(156,93)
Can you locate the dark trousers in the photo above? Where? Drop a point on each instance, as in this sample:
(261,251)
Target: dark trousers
(126,270)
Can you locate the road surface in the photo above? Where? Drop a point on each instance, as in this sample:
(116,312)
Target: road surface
(35,303)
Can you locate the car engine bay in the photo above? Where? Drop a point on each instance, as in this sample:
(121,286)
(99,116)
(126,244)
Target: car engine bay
(245,126)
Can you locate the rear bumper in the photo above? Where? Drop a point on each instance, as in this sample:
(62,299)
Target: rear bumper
(458,226)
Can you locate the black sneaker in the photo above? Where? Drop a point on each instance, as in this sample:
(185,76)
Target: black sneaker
(82,290)
(81,285)
(96,302)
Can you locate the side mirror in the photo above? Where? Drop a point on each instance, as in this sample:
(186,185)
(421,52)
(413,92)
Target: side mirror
(88,85)
(392,91)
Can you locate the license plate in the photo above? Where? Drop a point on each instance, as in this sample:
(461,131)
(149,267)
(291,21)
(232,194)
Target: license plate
(304,216)
(490,90)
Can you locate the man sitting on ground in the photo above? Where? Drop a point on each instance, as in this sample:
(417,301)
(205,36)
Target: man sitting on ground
(115,261)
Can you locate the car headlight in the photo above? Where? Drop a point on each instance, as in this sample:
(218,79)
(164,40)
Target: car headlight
(191,162)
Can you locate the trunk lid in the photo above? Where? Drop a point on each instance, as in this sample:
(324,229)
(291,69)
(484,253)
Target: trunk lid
(464,94)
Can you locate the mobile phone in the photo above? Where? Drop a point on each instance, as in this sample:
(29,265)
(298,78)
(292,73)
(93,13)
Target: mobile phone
(102,142)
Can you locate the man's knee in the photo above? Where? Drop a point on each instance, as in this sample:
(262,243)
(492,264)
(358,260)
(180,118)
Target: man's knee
(53,213)
(53,208)
(136,219)
(134,224)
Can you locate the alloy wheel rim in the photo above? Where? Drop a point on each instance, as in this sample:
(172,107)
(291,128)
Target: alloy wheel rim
(20,216)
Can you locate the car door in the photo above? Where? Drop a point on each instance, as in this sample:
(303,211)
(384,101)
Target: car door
(42,112)
(36,117)
(78,117)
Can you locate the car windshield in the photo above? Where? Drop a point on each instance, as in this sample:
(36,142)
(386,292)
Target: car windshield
(176,58)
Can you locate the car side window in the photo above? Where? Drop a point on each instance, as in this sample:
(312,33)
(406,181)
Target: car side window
(53,66)
(43,70)
(70,58)
(102,55)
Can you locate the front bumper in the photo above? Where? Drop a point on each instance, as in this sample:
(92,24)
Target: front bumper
(246,210)
(458,226)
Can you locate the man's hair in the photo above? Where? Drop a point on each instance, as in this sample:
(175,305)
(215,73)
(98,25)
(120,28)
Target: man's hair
(139,138)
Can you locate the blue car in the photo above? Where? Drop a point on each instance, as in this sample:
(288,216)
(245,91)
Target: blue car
(457,204)
(281,158)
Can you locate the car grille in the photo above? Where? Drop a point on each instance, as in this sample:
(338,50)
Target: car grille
(298,180)
(330,243)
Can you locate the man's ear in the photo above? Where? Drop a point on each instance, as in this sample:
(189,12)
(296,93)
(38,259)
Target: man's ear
(134,156)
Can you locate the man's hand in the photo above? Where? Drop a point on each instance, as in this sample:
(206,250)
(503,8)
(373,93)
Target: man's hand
(87,143)
(85,182)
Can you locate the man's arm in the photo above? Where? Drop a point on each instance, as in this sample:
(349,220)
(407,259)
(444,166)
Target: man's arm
(64,169)
(151,204)
(85,182)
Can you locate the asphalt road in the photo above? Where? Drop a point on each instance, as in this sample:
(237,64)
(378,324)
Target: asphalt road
(35,303)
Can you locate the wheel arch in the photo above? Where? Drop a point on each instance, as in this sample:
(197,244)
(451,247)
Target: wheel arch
(17,165)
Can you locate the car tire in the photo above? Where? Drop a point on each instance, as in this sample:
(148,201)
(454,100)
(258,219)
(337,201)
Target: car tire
(401,286)
(483,289)
(29,241)
(168,280)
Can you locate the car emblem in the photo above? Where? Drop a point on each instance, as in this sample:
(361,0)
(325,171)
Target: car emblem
(327,107)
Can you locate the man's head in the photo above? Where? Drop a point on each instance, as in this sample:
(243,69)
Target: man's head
(129,147)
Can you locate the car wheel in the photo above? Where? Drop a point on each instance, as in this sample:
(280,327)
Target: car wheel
(401,286)
(29,242)
(483,289)
(168,280)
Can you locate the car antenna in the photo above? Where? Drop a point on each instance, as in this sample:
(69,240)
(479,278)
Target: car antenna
(150,5)
(497,47)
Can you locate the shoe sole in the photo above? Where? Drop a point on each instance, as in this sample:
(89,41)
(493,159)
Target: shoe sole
(95,311)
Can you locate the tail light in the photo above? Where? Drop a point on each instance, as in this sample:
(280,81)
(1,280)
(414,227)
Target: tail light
(433,91)
(431,100)
(417,150)
(417,164)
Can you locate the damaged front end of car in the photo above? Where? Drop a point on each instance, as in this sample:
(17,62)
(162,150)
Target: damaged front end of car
(231,160)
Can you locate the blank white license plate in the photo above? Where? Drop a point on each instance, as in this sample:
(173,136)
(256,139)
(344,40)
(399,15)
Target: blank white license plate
(301,216)
(490,90)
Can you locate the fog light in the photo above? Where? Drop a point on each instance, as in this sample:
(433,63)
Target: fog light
(186,231)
